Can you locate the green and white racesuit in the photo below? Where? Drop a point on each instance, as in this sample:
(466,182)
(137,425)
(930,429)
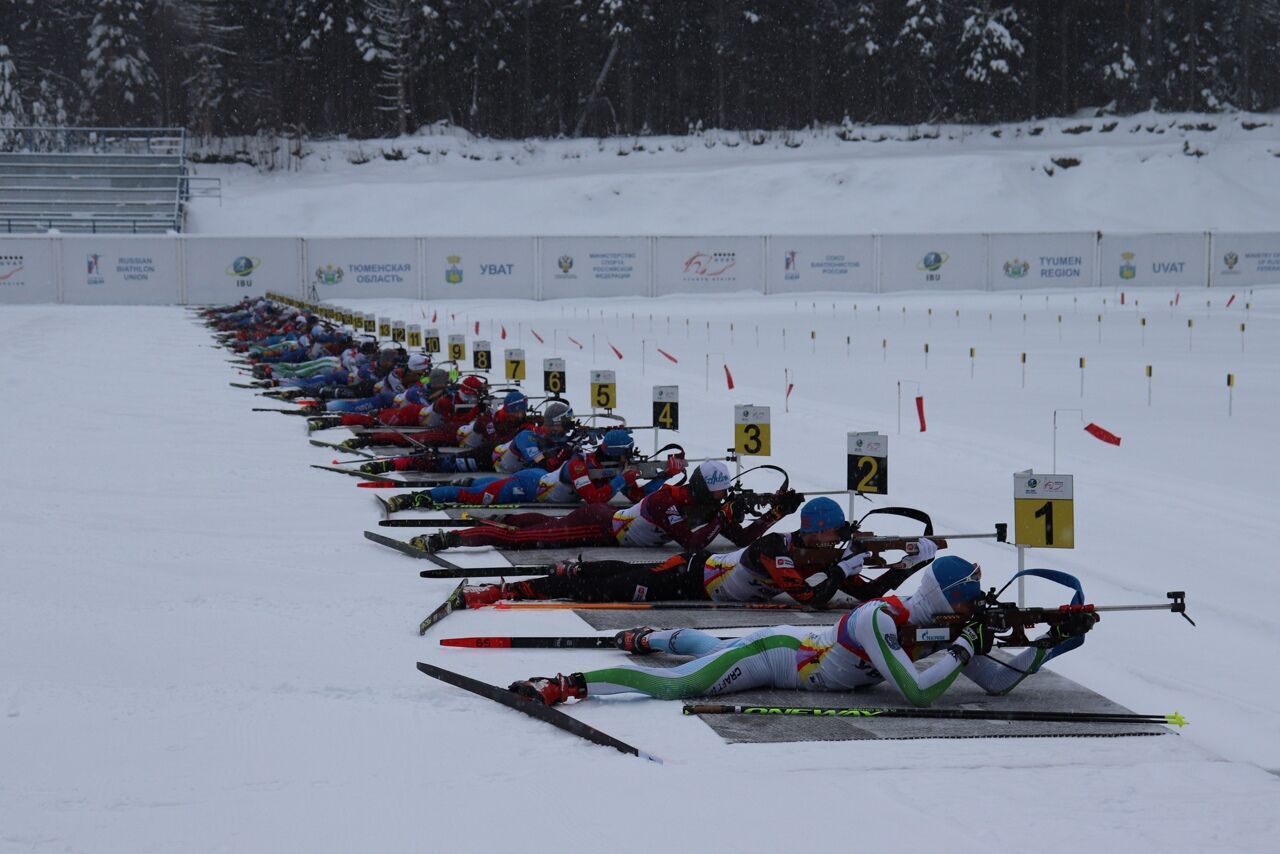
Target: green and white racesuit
(866,646)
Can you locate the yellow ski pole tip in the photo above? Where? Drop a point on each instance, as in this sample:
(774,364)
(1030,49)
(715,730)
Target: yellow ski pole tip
(1175,719)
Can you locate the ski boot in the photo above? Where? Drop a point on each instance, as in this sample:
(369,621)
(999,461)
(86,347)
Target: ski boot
(480,595)
(566,568)
(378,467)
(356,442)
(550,690)
(411,501)
(323,422)
(634,641)
(437,542)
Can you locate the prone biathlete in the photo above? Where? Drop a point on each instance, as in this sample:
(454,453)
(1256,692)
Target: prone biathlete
(706,497)
(583,477)
(866,646)
(773,565)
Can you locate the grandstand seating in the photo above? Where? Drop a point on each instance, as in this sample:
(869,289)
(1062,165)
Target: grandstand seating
(122,184)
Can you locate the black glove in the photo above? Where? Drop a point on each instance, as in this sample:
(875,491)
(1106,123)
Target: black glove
(738,507)
(789,502)
(979,636)
(1074,624)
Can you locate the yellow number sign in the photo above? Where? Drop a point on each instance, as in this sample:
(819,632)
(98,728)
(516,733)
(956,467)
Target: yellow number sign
(433,340)
(553,376)
(868,463)
(515,364)
(666,407)
(457,347)
(1044,511)
(481,356)
(604,390)
(751,430)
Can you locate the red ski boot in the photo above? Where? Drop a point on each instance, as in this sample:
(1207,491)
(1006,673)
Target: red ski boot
(550,690)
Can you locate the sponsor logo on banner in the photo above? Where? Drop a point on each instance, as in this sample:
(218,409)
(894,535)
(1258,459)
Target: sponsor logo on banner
(497,269)
(1127,268)
(243,266)
(565,264)
(789,266)
(93,269)
(136,268)
(329,275)
(1016,268)
(1032,483)
(1264,262)
(613,265)
(10,267)
(1061,266)
(453,273)
(931,263)
(861,445)
(1163,267)
(1231,259)
(710,265)
(379,274)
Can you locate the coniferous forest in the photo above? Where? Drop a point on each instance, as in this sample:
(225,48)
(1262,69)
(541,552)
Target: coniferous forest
(539,68)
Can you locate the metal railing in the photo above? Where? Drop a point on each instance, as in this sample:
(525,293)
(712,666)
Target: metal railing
(99,224)
(94,140)
(138,147)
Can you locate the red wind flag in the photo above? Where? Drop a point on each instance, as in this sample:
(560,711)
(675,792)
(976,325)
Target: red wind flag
(668,355)
(477,332)
(1233,299)
(1101,433)
(536,335)
(504,332)
(434,314)
(616,351)
(728,377)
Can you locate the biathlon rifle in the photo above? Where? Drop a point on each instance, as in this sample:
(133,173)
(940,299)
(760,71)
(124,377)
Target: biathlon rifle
(1008,623)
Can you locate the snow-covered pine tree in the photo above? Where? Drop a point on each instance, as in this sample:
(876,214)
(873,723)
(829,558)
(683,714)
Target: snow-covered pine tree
(12,113)
(117,74)
(918,81)
(991,53)
(399,29)
(860,28)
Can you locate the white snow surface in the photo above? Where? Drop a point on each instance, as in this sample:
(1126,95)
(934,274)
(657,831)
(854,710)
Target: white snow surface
(1145,173)
(201,652)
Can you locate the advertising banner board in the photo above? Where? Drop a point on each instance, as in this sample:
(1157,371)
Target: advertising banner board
(933,262)
(481,268)
(840,264)
(699,265)
(102,270)
(28,272)
(1029,261)
(222,270)
(595,266)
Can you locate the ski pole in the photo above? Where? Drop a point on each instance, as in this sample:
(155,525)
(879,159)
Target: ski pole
(1174,719)
(570,642)
(695,604)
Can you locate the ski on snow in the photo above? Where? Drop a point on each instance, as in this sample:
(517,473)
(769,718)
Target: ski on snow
(453,602)
(533,709)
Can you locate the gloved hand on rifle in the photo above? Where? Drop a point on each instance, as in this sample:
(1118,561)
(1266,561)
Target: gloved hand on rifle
(926,549)
(787,502)
(977,640)
(1074,624)
(676,464)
